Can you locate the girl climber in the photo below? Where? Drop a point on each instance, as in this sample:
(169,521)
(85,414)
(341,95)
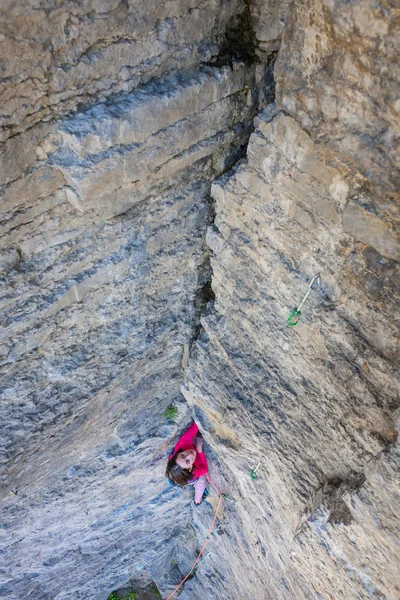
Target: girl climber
(188,463)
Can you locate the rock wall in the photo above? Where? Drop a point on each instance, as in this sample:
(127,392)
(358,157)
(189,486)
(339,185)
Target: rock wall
(104,274)
(317,403)
(58,56)
(117,118)
(72,227)
(105,270)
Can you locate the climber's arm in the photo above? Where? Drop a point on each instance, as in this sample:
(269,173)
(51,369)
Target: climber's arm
(202,468)
(187,438)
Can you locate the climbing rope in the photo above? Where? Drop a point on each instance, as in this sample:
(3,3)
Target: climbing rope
(193,569)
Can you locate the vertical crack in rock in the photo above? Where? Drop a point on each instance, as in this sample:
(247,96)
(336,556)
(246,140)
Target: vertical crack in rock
(240,42)
(240,45)
(205,293)
(105,213)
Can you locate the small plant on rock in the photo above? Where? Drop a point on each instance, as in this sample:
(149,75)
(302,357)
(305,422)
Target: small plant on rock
(128,596)
(155,591)
(170,412)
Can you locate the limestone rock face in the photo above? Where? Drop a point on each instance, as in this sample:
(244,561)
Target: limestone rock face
(104,273)
(160,218)
(315,402)
(58,56)
(60,252)
(338,74)
(86,383)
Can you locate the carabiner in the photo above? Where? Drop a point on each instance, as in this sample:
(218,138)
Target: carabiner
(295,313)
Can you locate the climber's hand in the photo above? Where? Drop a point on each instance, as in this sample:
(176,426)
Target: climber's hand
(199,444)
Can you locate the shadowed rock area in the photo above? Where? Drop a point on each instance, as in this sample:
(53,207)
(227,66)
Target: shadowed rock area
(163,209)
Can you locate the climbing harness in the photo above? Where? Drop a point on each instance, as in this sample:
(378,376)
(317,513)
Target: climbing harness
(296,312)
(253,472)
(196,562)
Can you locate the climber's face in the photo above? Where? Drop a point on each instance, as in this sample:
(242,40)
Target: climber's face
(186,458)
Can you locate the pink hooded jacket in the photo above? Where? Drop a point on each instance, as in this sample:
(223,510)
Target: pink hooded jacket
(185,442)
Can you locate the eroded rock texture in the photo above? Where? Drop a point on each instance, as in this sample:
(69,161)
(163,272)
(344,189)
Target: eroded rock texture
(59,55)
(117,119)
(315,402)
(104,271)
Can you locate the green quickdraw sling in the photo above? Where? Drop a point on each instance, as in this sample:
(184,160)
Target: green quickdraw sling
(296,312)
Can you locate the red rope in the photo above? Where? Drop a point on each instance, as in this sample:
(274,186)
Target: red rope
(207,538)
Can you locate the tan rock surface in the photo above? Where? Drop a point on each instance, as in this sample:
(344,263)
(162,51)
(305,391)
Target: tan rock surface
(57,56)
(338,73)
(314,402)
(117,118)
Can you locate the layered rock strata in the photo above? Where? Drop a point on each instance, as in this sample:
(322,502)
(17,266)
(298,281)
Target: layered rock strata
(315,402)
(117,118)
(105,270)
(85,412)
(56,57)
(58,251)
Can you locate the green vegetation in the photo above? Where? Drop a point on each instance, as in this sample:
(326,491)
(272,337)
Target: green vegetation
(170,412)
(128,596)
(155,591)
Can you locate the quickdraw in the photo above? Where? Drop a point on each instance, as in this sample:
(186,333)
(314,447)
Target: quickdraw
(296,312)
(253,471)
(209,555)
(229,499)
(218,531)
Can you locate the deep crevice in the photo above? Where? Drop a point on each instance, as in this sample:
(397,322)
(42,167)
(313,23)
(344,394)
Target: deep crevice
(240,41)
(240,44)
(205,292)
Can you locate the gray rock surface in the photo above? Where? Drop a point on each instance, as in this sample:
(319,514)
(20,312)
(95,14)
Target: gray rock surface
(315,402)
(60,252)
(84,412)
(105,273)
(56,56)
(130,281)
(338,73)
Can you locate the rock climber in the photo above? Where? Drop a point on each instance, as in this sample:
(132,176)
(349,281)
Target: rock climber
(188,463)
